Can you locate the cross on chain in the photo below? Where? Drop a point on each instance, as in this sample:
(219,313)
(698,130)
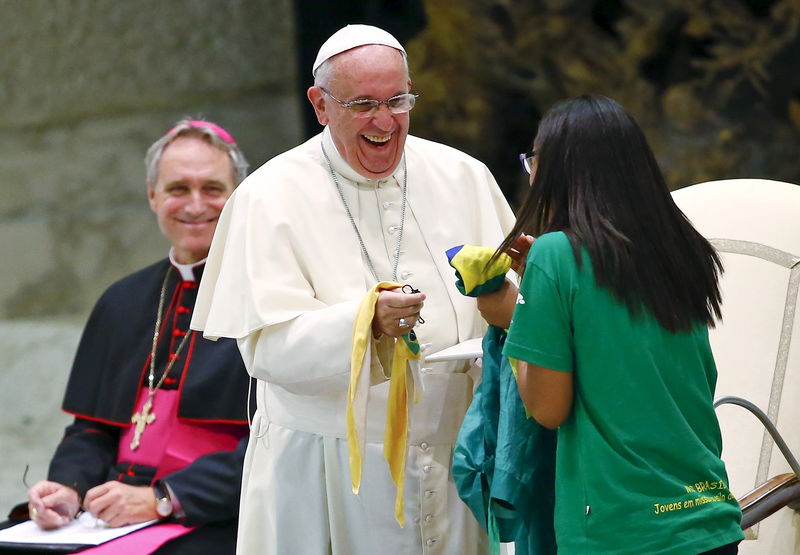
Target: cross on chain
(142,419)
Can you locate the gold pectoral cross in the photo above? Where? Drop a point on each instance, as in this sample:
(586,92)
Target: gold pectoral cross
(142,419)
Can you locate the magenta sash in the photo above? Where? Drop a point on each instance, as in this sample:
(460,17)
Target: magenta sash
(142,541)
(168,444)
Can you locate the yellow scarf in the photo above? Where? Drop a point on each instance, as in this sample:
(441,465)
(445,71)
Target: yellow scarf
(395,441)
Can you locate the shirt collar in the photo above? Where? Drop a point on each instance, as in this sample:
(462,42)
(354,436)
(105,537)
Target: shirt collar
(186,270)
(341,166)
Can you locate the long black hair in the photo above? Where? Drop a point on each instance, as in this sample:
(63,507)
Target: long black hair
(597,180)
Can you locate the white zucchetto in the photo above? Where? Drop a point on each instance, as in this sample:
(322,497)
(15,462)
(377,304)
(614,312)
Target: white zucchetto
(352,36)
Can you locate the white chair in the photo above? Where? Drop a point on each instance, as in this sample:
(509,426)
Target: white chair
(755,225)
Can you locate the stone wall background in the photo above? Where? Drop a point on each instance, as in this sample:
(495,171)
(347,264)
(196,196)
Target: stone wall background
(85,87)
(36,357)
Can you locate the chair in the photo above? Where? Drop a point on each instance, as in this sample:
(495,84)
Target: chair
(755,225)
(778,492)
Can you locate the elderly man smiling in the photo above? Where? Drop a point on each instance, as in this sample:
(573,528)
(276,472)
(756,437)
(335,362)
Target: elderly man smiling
(300,244)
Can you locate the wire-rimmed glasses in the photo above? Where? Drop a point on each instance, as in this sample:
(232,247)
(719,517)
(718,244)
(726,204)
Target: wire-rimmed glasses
(526,159)
(363,107)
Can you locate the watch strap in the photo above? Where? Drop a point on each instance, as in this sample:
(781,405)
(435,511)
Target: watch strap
(164,505)
(159,491)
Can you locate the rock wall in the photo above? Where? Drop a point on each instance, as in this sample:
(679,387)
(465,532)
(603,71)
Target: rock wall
(87,86)
(35,364)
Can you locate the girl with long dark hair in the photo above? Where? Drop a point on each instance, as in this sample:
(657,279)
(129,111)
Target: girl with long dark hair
(610,328)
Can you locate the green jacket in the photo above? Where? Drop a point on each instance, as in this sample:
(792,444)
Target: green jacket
(504,462)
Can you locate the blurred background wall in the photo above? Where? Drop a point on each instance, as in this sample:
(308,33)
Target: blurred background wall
(87,85)
(715,84)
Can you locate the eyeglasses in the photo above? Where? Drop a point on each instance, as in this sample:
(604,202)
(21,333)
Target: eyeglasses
(363,107)
(526,159)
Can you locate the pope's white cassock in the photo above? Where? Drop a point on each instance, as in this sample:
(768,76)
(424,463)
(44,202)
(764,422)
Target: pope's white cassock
(284,277)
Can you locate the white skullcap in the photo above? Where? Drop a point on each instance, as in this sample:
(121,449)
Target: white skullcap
(352,36)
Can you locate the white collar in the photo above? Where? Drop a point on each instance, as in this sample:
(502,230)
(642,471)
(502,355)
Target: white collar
(186,270)
(341,166)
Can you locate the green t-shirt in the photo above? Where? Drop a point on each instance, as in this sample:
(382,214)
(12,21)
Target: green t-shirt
(638,466)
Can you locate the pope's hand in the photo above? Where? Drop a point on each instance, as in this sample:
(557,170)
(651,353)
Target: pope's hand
(119,504)
(391,306)
(52,505)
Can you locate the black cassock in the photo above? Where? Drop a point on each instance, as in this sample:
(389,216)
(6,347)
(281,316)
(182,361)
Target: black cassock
(111,365)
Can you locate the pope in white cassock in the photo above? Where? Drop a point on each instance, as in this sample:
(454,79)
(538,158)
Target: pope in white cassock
(299,245)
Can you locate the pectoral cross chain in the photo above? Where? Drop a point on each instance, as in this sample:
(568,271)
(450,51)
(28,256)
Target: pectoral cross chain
(142,419)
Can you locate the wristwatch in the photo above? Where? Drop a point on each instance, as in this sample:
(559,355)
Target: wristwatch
(164,506)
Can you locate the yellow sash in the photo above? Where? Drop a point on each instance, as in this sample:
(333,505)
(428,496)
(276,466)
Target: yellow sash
(405,357)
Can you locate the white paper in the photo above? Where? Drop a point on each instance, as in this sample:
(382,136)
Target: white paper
(471,348)
(84,530)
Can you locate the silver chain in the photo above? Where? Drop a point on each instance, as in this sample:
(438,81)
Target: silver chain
(355,227)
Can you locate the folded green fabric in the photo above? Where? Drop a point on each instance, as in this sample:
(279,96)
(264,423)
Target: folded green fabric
(474,274)
(503,461)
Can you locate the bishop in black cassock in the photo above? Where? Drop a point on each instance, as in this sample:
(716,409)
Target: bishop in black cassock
(160,427)
(110,370)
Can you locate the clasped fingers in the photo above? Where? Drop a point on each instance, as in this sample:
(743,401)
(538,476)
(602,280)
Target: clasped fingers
(396,312)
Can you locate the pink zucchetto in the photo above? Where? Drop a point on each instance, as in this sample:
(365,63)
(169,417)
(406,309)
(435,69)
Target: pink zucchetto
(199,123)
(352,36)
